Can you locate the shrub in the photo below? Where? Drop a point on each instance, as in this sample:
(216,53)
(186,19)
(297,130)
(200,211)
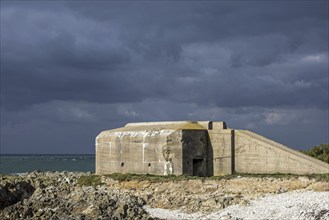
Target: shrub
(320,152)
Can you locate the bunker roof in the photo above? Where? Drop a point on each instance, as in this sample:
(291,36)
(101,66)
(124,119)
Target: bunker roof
(155,126)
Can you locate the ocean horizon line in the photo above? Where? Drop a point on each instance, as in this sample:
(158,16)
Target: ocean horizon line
(61,154)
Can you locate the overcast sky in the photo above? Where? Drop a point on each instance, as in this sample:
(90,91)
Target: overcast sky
(72,69)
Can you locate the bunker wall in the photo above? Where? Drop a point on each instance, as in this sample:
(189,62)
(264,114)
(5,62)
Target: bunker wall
(201,148)
(135,152)
(221,144)
(257,154)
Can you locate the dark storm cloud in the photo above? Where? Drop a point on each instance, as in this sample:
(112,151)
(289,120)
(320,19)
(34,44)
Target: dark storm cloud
(120,52)
(140,61)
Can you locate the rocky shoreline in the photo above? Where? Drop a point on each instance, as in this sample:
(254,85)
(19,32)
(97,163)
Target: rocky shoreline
(59,195)
(56,195)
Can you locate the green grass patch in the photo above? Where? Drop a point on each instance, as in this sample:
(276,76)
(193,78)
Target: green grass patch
(94,180)
(9,177)
(319,177)
(153,178)
(90,180)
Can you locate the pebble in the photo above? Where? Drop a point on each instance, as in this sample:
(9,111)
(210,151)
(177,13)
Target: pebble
(289,205)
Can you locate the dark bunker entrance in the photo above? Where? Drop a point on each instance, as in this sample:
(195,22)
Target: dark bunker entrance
(197,167)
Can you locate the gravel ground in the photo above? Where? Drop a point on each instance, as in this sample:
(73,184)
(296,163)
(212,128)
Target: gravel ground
(289,205)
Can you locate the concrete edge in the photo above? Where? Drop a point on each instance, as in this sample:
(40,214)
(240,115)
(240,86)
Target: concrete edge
(159,123)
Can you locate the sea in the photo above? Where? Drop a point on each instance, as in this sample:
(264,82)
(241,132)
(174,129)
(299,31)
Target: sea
(22,163)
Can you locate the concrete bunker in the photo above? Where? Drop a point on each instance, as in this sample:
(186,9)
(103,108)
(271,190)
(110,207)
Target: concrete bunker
(200,148)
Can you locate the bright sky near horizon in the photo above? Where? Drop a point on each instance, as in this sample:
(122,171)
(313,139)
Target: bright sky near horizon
(70,69)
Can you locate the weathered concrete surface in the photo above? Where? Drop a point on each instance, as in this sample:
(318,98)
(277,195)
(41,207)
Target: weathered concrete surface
(152,148)
(201,148)
(257,154)
(220,145)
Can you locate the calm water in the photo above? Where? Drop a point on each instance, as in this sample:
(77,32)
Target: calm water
(28,163)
